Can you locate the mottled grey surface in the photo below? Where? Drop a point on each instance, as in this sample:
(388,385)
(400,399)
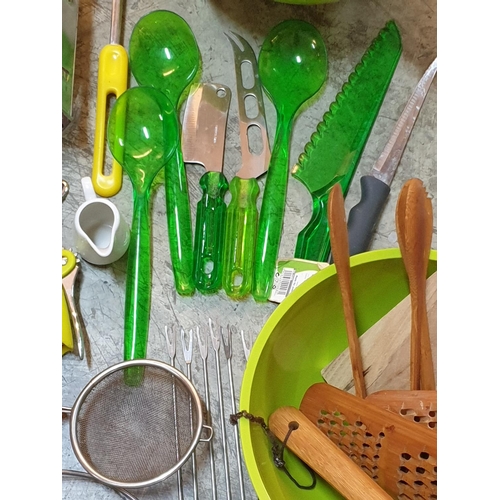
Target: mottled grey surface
(348,28)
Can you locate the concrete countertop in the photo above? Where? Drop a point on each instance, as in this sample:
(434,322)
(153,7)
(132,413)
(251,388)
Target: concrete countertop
(348,28)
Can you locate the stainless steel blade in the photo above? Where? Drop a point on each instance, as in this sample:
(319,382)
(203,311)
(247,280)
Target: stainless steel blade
(204,126)
(255,156)
(385,167)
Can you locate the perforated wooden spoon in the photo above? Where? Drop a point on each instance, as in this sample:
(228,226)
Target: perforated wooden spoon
(399,455)
(414,229)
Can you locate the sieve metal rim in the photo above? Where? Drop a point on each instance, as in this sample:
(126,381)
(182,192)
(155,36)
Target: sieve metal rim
(75,410)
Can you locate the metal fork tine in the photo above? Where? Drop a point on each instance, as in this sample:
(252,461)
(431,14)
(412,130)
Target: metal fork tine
(246,348)
(170,344)
(187,349)
(227,347)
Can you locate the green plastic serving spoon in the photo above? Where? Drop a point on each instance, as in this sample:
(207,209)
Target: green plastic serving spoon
(292,68)
(164,54)
(142,135)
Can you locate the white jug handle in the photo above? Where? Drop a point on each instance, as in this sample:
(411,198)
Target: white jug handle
(88,189)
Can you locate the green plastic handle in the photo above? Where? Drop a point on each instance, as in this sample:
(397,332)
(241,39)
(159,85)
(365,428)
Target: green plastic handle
(241,233)
(209,233)
(272,213)
(138,287)
(313,242)
(178,213)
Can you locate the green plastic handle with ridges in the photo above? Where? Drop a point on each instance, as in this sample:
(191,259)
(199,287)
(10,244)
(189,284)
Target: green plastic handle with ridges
(209,233)
(138,287)
(180,234)
(241,233)
(272,213)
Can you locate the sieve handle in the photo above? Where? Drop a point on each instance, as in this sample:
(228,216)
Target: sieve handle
(210,434)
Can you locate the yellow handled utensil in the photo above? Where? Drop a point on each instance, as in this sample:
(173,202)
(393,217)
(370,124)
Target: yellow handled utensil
(112,78)
(70,269)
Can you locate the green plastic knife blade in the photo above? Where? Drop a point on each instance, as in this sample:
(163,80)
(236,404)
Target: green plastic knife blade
(335,148)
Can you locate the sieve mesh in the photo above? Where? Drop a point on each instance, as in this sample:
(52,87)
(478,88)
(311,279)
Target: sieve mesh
(133,434)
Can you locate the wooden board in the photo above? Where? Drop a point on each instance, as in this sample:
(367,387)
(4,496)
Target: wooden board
(385,349)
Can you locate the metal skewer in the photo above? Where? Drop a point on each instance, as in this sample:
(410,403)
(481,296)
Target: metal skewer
(216,346)
(229,353)
(188,356)
(204,356)
(171,353)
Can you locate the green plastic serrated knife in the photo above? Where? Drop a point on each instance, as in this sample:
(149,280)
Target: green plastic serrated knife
(334,150)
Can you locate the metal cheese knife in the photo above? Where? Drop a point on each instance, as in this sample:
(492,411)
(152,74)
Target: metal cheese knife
(375,187)
(242,216)
(203,140)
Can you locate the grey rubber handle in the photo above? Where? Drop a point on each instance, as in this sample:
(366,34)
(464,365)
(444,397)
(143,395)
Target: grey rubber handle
(364,216)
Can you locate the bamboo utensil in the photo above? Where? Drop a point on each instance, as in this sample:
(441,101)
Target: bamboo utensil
(416,406)
(399,455)
(323,456)
(414,229)
(385,349)
(340,250)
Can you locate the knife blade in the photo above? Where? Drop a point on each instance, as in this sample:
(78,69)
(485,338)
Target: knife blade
(242,216)
(335,148)
(203,141)
(375,186)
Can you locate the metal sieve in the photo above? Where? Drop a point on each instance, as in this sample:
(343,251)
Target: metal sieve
(132,436)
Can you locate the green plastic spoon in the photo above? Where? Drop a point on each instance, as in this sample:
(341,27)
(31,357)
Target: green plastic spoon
(142,135)
(164,54)
(292,68)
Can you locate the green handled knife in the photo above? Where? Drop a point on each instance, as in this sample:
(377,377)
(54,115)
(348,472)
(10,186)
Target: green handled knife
(242,216)
(375,186)
(203,141)
(335,148)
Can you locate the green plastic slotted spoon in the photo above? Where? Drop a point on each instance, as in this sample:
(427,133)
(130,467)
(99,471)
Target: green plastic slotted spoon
(292,68)
(142,136)
(164,54)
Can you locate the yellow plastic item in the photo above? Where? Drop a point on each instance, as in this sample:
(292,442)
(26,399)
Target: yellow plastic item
(67,336)
(112,79)
(67,332)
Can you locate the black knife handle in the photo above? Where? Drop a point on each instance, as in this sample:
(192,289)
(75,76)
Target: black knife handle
(364,216)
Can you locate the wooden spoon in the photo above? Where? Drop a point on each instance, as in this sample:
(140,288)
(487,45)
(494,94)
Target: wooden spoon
(308,443)
(414,229)
(339,242)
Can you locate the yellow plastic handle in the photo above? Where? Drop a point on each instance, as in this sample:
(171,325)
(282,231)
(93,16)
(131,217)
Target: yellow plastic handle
(112,79)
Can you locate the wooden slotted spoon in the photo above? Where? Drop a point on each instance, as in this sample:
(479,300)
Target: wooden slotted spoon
(414,229)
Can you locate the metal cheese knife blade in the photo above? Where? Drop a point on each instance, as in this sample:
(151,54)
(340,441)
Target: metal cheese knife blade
(335,148)
(375,187)
(241,226)
(203,141)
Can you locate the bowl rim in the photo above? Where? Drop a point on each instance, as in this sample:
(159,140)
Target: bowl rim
(263,337)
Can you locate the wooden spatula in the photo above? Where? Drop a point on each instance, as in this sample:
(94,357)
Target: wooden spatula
(339,242)
(399,455)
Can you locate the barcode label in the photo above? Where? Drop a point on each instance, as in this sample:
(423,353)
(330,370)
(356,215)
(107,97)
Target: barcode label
(282,284)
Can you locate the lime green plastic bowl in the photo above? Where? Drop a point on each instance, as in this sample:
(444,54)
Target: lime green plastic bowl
(305,332)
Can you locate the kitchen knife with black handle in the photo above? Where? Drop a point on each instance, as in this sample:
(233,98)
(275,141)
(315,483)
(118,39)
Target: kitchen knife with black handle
(375,186)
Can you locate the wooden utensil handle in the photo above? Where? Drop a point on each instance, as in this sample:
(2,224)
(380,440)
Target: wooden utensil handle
(324,457)
(340,250)
(427,379)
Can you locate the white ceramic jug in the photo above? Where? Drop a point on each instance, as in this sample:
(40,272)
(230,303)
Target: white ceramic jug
(102,236)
